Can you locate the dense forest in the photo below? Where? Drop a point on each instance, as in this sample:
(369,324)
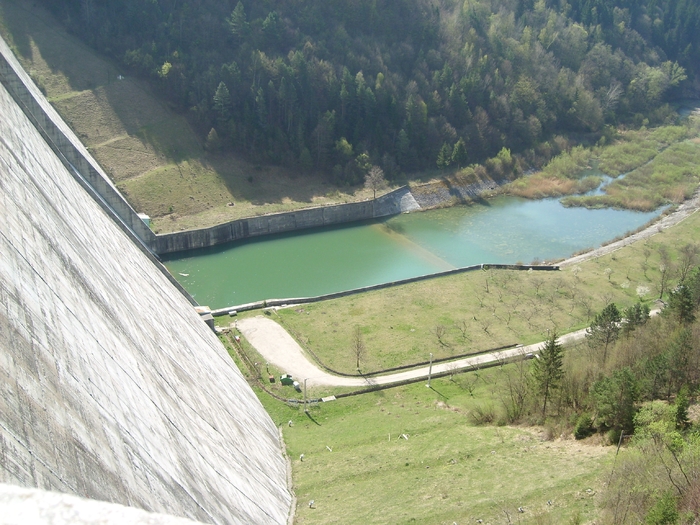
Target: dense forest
(406,84)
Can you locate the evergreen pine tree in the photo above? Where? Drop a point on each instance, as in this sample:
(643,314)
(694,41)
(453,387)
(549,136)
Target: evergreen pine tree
(444,157)
(459,154)
(547,369)
(604,329)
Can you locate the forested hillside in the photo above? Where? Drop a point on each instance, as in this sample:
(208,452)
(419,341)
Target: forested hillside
(338,85)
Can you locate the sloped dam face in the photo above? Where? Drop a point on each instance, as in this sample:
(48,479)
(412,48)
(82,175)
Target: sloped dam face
(112,387)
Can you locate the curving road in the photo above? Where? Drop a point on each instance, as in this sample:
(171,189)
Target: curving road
(279,348)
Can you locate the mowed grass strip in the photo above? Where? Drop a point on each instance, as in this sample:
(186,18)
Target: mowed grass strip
(410,455)
(479,310)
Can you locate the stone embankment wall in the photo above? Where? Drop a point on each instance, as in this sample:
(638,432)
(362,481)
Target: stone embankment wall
(445,193)
(113,387)
(397,201)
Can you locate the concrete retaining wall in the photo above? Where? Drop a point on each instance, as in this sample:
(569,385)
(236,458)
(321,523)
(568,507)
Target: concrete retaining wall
(392,203)
(301,300)
(445,193)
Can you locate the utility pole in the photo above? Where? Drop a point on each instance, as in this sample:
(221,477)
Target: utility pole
(306,410)
(430,370)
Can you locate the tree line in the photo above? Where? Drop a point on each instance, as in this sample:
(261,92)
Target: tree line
(406,85)
(632,380)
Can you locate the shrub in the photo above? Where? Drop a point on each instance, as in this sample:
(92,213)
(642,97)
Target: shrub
(482,415)
(584,427)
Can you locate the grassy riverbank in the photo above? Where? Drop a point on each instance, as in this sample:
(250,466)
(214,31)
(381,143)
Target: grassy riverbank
(659,165)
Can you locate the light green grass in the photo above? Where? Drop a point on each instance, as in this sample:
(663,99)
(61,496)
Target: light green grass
(447,470)
(670,177)
(569,173)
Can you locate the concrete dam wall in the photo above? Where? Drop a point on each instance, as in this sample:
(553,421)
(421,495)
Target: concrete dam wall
(112,387)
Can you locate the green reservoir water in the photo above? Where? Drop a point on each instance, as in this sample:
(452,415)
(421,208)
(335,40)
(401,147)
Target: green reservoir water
(314,262)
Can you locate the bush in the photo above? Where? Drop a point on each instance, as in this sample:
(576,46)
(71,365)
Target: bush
(664,511)
(482,415)
(613,436)
(584,427)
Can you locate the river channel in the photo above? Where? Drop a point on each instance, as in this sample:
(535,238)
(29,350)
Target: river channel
(313,262)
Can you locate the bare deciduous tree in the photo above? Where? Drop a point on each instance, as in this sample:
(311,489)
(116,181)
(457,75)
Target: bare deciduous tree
(537,283)
(374,180)
(463,328)
(440,332)
(665,270)
(358,346)
(687,260)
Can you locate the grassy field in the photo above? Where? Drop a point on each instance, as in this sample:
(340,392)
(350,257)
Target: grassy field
(151,152)
(445,470)
(669,177)
(657,163)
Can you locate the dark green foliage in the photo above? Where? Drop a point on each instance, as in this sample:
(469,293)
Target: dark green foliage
(681,304)
(400,78)
(605,328)
(213,142)
(635,316)
(459,154)
(444,157)
(654,374)
(614,397)
(681,356)
(222,102)
(547,369)
(681,409)
(584,426)
(664,511)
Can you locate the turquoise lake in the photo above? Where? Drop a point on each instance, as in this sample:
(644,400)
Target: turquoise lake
(319,261)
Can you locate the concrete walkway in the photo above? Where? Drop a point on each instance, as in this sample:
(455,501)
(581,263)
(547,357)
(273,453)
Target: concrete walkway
(280,349)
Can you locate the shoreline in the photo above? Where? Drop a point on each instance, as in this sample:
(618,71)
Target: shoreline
(685,210)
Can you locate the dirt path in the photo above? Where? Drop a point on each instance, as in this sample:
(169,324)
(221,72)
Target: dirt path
(279,348)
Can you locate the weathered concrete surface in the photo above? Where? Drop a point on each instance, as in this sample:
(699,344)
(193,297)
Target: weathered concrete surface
(20,506)
(112,387)
(392,203)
